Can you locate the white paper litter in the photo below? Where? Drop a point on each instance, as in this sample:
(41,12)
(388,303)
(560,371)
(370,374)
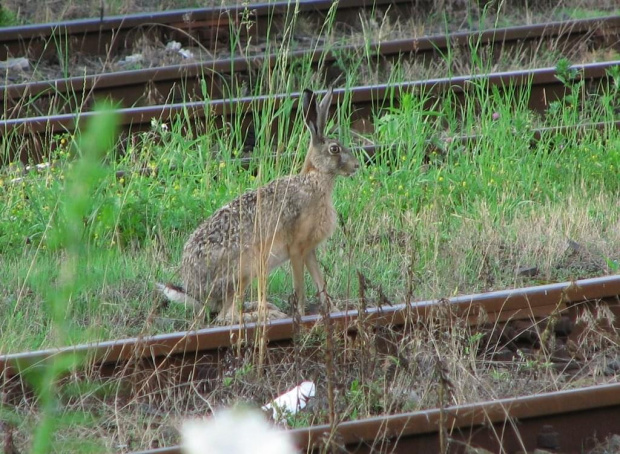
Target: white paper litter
(291,401)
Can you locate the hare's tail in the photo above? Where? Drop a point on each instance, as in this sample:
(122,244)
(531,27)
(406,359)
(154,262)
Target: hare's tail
(176,294)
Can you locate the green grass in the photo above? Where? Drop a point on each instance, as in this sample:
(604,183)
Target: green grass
(586,13)
(462,221)
(7,17)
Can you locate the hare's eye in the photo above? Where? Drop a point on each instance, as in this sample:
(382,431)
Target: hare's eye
(334,148)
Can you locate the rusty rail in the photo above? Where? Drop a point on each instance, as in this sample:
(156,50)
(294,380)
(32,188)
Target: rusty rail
(185,82)
(568,421)
(545,88)
(30,138)
(209,26)
(499,306)
(504,424)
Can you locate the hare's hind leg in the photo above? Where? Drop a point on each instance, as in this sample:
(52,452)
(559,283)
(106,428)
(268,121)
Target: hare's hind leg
(235,310)
(252,312)
(232,299)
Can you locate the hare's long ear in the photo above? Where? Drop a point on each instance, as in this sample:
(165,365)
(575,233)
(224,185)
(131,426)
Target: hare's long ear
(324,109)
(312,115)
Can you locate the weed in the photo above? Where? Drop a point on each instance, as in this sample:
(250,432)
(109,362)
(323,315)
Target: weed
(7,17)
(66,240)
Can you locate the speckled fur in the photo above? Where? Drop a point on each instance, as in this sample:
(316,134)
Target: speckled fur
(259,231)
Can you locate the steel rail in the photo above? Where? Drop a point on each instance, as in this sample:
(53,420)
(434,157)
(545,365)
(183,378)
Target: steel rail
(499,306)
(181,82)
(206,25)
(563,421)
(542,85)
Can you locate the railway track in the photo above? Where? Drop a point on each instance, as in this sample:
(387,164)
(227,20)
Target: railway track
(570,421)
(225,77)
(560,420)
(31,138)
(211,27)
(539,302)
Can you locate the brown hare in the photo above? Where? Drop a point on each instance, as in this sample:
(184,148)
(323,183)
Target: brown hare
(259,231)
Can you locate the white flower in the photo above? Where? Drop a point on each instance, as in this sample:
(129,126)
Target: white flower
(235,432)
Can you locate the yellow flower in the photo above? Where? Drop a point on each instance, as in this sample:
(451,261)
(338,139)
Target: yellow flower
(440,178)
(222,165)
(464,183)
